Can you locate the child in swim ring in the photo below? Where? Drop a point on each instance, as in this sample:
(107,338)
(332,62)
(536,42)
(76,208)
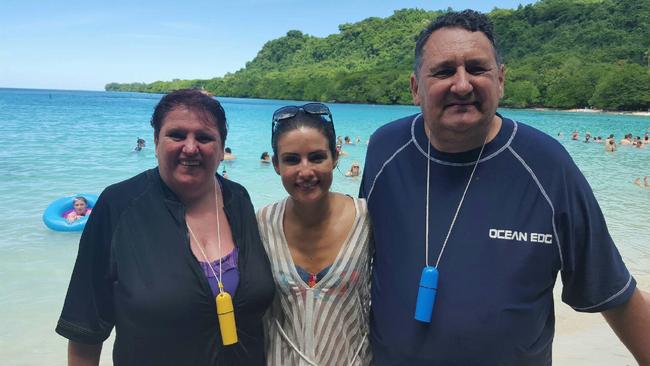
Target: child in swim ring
(80,209)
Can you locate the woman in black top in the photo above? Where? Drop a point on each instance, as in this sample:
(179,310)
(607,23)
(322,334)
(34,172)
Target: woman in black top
(138,267)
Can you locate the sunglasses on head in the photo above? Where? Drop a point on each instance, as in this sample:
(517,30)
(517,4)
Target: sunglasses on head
(290,111)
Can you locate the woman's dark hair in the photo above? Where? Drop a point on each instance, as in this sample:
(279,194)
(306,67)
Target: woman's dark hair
(195,100)
(304,119)
(470,20)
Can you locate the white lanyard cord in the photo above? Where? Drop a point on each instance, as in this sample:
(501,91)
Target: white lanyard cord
(198,244)
(303,356)
(469,181)
(295,348)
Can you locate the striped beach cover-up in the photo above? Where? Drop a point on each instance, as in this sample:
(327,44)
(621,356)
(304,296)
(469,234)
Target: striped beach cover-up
(326,324)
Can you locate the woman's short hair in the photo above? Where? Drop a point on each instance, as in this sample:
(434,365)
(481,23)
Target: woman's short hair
(195,100)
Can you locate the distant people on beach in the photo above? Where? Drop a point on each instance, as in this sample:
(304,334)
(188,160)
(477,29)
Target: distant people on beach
(574,135)
(354,170)
(645,183)
(79,209)
(627,140)
(228,155)
(639,144)
(347,140)
(139,144)
(610,142)
(340,151)
(265,158)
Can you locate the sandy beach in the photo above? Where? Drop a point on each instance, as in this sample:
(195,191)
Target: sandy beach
(583,339)
(594,110)
(590,110)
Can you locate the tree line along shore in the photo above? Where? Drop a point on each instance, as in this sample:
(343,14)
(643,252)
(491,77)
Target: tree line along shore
(564,54)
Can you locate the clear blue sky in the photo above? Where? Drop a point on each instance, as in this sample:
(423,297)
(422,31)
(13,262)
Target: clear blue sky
(74,44)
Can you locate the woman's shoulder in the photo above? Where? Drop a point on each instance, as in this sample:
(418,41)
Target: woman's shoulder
(359,204)
(119,196)
(271,211)
(234,187)
(359,201)
(130,186)
(362,209)
(235,195)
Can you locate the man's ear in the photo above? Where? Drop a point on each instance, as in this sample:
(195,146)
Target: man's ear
(414,89)
(502,80)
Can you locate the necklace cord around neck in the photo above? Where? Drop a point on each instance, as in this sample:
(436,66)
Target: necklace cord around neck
(453,221)
(198,244)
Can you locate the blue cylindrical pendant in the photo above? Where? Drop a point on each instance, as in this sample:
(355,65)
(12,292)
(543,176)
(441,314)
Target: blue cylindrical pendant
(426,294)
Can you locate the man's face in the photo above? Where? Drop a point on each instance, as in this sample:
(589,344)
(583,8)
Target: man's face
(459,83)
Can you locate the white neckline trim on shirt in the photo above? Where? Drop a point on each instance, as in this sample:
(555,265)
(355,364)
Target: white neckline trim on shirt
(443,162)
(424,153)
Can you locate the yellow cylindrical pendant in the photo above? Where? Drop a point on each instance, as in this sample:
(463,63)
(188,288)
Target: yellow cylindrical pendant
(226,314)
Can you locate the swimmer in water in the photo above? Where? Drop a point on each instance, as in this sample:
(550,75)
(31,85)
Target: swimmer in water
(80,209)
(228,155)
(354,170)
(140,144)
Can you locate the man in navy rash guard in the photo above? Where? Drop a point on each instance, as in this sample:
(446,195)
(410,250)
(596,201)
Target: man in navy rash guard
(507,210)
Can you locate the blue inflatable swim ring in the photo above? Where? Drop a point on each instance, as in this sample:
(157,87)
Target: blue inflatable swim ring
(53,217)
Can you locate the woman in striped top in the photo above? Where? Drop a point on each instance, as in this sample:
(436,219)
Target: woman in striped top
(319,246)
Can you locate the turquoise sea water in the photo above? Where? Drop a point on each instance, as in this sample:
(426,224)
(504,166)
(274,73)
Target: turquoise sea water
(57,143)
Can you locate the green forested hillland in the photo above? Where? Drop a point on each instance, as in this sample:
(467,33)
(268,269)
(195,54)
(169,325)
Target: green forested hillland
(558,54)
